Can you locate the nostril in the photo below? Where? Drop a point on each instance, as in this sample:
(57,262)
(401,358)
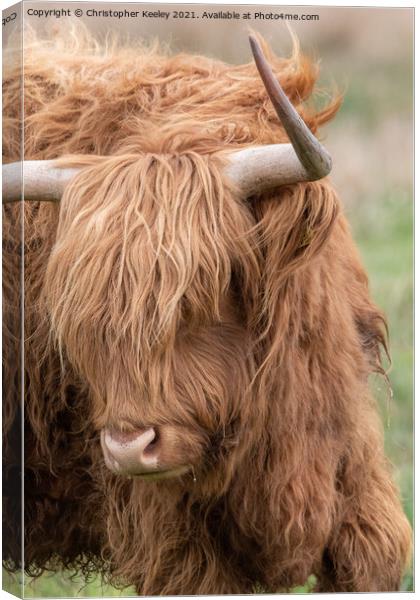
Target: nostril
(152,446)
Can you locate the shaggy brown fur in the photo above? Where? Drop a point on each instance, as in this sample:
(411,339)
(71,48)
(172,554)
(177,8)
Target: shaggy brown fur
(154,294)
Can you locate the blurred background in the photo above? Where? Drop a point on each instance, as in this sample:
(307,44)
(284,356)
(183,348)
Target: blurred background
(367,53)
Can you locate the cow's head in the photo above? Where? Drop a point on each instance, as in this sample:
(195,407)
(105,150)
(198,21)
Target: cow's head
(153,288)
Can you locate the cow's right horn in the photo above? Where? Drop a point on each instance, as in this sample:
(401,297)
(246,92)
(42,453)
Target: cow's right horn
(259,168)
(42,180)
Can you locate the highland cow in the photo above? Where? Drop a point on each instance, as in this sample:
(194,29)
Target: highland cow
(198,331)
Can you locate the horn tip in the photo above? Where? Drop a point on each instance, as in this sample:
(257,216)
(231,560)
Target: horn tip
(255,46)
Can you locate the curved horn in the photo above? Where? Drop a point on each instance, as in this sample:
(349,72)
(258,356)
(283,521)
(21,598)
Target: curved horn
(264,167)
(35,180)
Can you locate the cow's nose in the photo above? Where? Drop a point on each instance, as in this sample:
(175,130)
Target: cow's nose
(130,452)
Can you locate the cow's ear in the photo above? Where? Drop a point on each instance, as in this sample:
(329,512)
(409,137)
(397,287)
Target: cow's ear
(295,222)
(370,321)
(373,332)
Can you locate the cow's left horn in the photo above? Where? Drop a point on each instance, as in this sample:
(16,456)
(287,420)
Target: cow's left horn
(42,180)
(263,167)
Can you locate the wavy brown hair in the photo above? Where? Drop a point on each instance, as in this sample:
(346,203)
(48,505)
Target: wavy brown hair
(154,293)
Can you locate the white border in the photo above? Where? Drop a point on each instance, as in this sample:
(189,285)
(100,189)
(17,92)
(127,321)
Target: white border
(362,4)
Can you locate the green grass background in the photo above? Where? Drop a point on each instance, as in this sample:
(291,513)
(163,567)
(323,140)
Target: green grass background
(371,142)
